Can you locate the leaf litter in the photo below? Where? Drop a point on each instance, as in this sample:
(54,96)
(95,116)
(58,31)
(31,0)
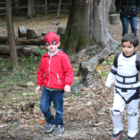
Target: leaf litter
(86,114)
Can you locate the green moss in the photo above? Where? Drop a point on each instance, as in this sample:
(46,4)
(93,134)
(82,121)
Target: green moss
(92,43)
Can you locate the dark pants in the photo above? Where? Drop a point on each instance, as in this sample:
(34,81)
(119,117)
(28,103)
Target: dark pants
(125,24)
(57,98)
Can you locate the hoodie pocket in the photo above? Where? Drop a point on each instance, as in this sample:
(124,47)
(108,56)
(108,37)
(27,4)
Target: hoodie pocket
(58,77)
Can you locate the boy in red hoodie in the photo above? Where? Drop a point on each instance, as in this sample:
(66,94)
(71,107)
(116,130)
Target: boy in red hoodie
(56,75)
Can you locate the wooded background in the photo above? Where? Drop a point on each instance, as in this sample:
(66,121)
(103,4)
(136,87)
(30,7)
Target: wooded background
(40,6)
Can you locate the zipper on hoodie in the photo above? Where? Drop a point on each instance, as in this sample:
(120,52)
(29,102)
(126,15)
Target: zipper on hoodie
(58,77)
(49,72)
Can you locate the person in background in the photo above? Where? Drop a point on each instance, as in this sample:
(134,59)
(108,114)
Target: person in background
(56,75)
(128,10)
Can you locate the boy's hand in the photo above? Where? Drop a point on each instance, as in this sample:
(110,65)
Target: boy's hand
(37,90)
(67,89)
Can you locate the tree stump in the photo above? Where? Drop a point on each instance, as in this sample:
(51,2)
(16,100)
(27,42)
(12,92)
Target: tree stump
(61,30)
(114,19)
(22,32)
(31,34)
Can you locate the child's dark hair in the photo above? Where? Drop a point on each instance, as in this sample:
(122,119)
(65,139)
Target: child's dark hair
(132,38)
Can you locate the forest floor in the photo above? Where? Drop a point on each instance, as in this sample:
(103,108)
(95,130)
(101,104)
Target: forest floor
(86,113)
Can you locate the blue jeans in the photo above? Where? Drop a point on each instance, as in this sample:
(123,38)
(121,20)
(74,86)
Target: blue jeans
(125,23)
(57,98)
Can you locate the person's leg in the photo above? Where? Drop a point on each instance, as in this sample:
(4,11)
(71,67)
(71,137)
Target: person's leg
(57,97)
(133,23)
(132,116)
(45,106)
(117,111)
(125,23)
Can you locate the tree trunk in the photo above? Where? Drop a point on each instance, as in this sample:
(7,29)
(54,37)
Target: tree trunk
(58,12)
(31,8)
(113,8)
(45,7)
(11,35)
(77,35)
(87,25)
(16,6)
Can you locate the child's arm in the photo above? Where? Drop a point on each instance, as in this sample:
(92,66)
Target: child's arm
(111,77)
(68,73)
(113,72)
(40,73)
(39,77)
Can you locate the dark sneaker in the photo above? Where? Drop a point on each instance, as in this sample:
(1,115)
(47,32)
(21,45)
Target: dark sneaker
(49,127)
(58,131)
(117,136)
(131,138)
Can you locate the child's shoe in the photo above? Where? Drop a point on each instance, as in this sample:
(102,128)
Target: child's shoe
(131,138)
(58,131)
(49,127)
(117,136)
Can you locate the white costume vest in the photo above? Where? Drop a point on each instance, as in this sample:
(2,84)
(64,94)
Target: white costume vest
(125,72)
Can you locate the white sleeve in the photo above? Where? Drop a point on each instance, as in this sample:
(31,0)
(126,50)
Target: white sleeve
(111,77)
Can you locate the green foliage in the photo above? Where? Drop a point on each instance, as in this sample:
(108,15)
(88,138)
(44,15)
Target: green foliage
(92,53)
(92,43)
(117,51)
(41,51)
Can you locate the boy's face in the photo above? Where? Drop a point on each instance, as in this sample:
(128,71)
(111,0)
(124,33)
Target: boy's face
(52,42)
(52,48)
(128,48)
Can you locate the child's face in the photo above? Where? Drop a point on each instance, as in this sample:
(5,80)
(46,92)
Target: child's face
(128,48)
(52,48)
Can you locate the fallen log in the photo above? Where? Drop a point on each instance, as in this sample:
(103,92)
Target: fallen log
(38,41)
(87,69)
(21,49)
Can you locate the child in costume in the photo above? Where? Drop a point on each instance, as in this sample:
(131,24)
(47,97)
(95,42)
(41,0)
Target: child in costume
(55,74)
(126,91)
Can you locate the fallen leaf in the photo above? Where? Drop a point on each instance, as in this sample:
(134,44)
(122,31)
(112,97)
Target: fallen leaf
(9,132)
(85,89)
(41,121)
(30,83)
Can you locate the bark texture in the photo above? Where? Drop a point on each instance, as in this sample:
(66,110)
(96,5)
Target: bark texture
(88,22)
(11,36)
(59,6)
(31,8)
(78,27)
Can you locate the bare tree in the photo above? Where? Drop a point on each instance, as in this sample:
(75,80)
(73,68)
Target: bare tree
(58,12)
(11,35)
(31,8)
